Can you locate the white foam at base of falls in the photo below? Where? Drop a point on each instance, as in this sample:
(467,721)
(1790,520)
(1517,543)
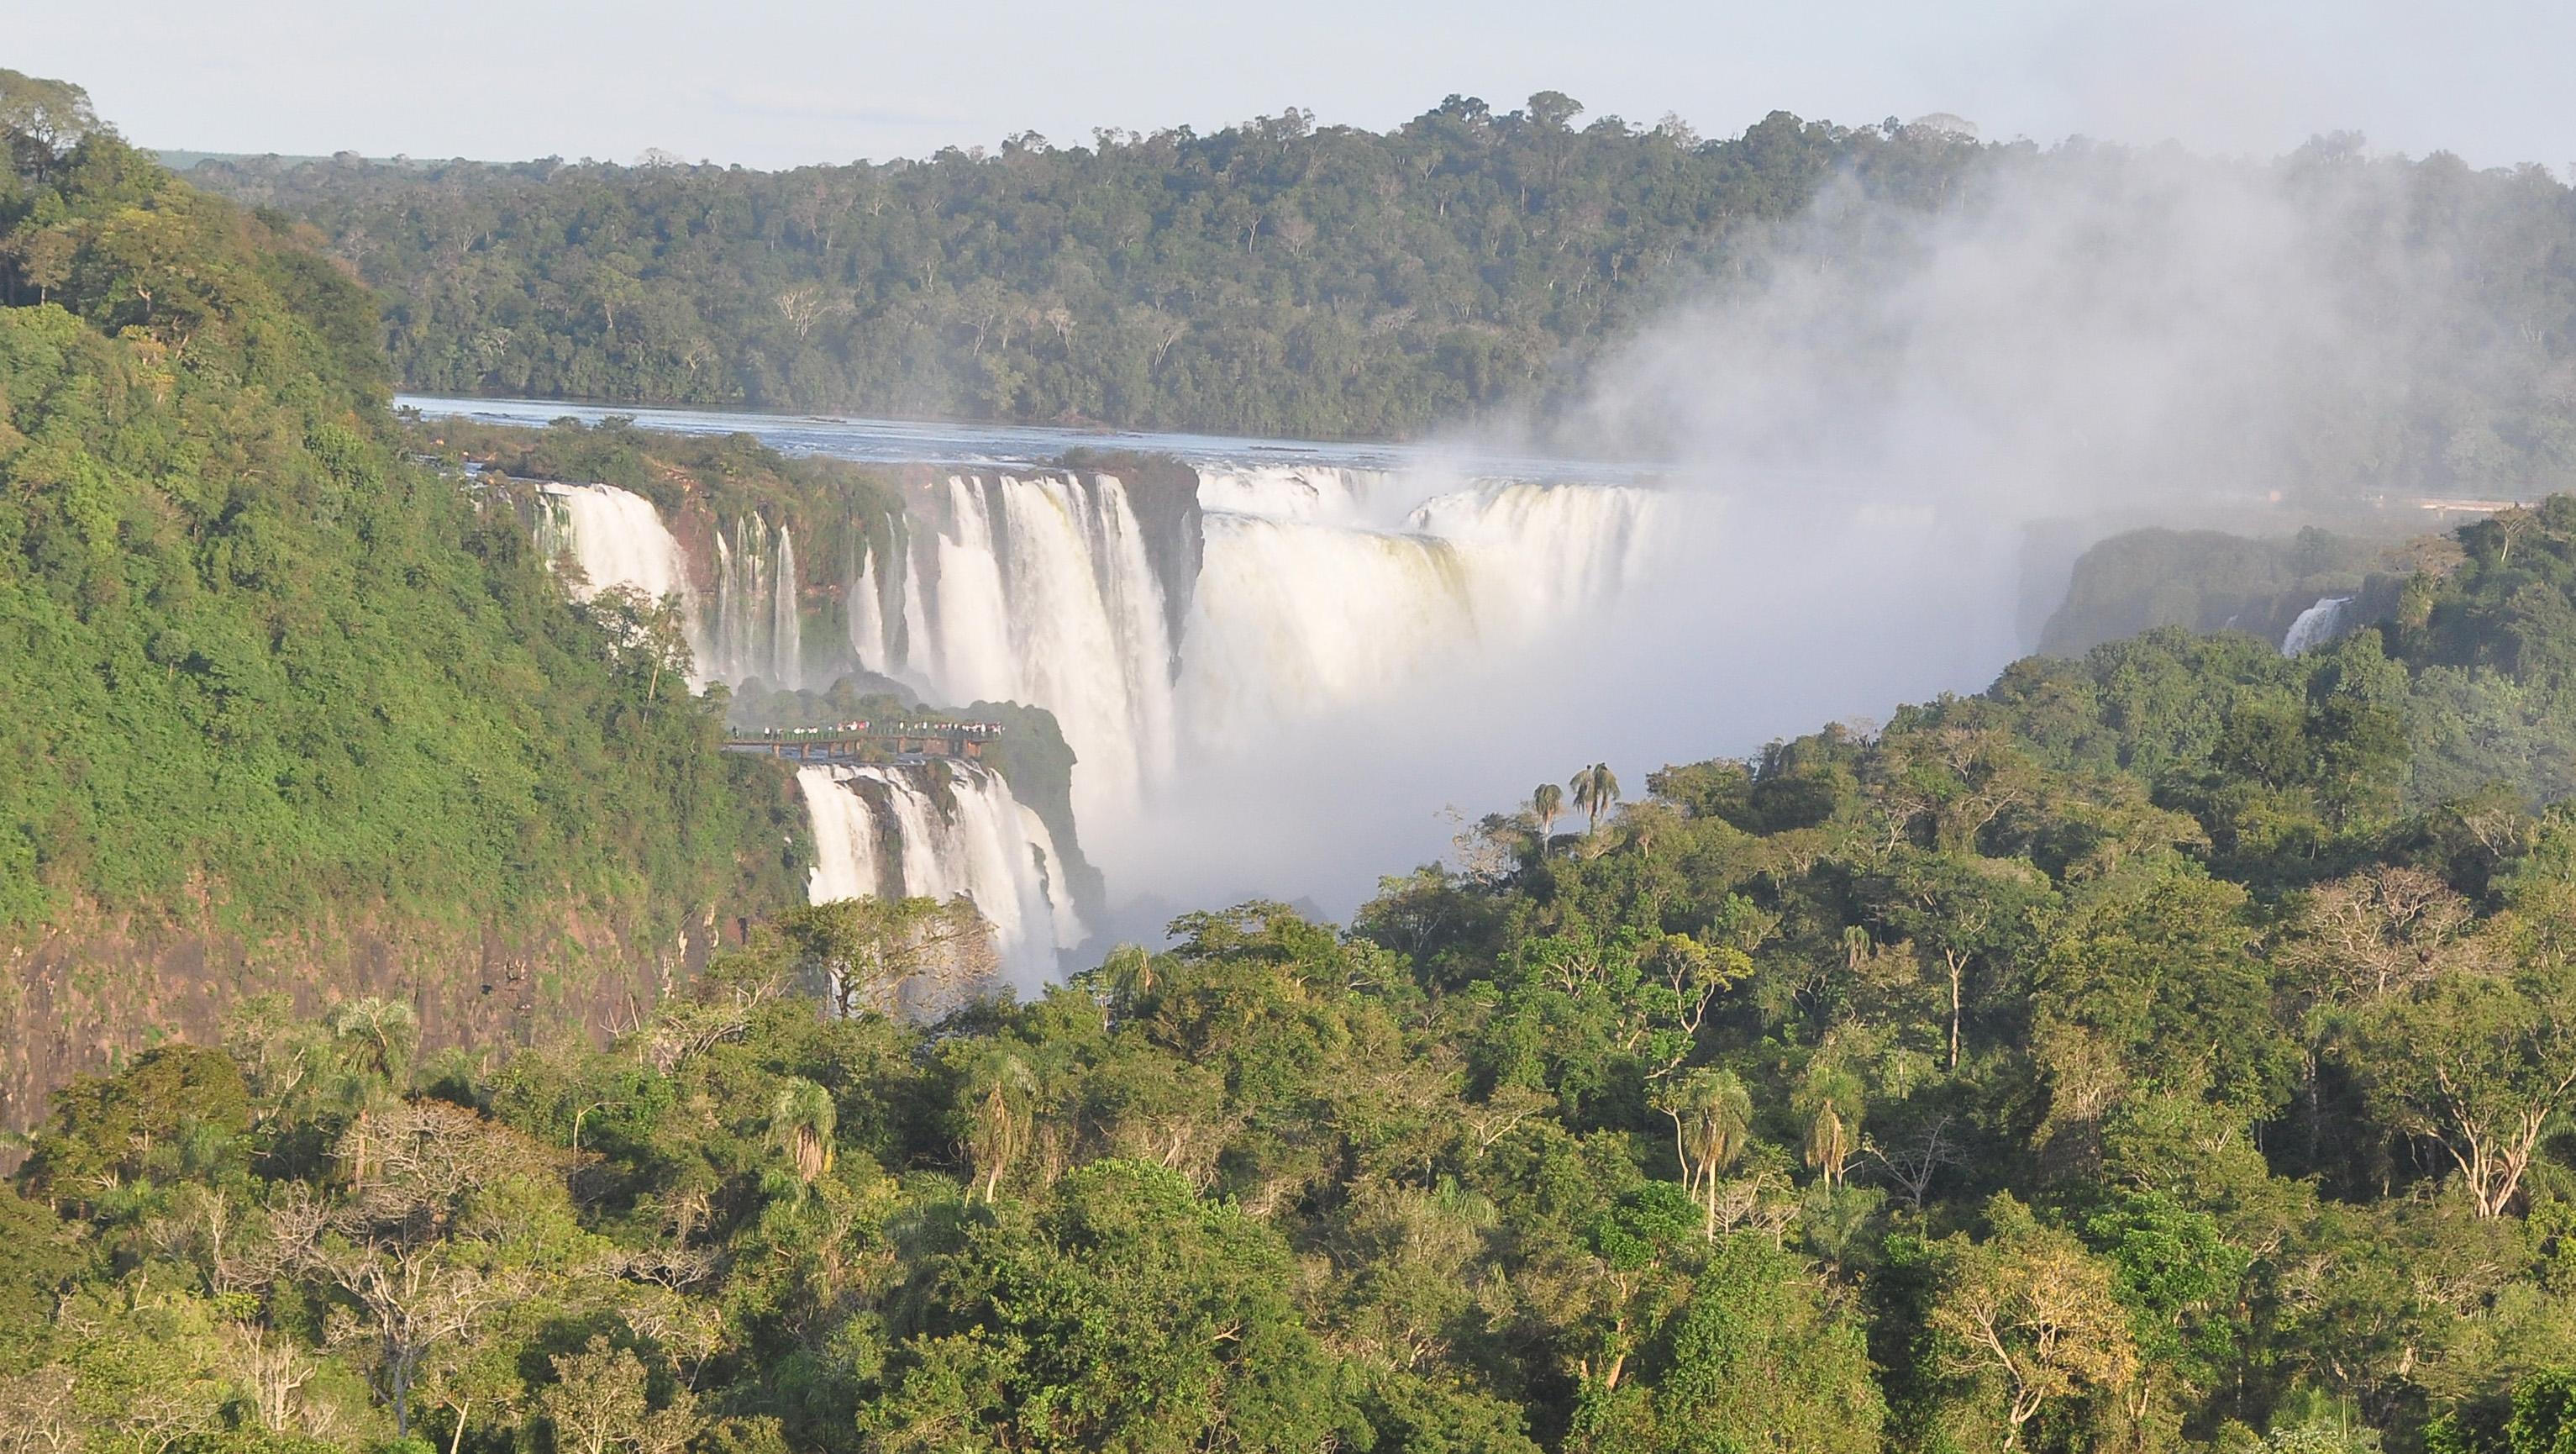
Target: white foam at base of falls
(2315,626)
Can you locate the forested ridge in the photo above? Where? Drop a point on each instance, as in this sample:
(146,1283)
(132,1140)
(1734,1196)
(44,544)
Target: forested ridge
(268,685)
(2122,1058)
(1271,278)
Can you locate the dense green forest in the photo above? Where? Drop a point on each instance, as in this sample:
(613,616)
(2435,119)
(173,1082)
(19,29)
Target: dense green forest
(2118,1059)
(265,679)
(1273,278)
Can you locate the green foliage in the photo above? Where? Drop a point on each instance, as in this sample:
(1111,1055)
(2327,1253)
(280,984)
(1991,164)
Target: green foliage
(257,661)
(1269,278)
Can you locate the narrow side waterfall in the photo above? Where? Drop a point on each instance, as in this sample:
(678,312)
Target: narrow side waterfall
(867,612)
(757,631)
(939,829)
(2316,626)
(753,628)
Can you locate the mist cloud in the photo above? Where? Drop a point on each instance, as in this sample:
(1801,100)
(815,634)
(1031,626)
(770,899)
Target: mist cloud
(1890,427)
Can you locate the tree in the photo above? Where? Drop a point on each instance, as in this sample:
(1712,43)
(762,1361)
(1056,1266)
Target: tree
(801,1118)
(599,1404)
(1595,788)
(913,957)
(2483,1066)
(1000,1119)
(1761,1357)
(1712,1115)
(1547,803)
(645,636)
(43,256)
(2030,1313)
(404,1247)
(1831,1100)
(43,119)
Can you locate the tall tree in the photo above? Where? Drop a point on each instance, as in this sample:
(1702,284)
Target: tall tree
(1595,788)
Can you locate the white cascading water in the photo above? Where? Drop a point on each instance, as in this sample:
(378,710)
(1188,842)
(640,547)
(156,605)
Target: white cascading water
(618,539)
(1039,590)
(1539,555)
(1291,619)
(1291,491)
(757,631)
(1294,617)
(2315,627)
(957,829)
(867,612)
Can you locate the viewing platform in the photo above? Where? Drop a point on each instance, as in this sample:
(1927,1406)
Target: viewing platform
(868,741)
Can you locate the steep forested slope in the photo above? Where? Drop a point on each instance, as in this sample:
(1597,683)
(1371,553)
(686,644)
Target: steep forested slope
(267,682)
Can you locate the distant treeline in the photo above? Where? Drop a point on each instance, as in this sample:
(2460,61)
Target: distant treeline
(1271,278)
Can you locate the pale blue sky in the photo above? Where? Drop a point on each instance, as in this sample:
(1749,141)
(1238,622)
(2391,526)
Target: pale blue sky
(777,82)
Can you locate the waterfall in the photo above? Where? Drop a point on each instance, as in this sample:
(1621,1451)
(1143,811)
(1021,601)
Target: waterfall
(616,537)
(1039,590)
(1292,618)
(956,829)
(754,627)
(757,631)
(2316,625)
(845,839)
(787,632)
(866,611)
(1542,554)
(1297,617)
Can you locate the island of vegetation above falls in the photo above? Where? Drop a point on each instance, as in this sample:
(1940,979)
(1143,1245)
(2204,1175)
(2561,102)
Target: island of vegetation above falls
(2170,1048)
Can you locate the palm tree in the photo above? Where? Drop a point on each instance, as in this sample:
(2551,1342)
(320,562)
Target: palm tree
(1595,788)
(801,1119)
(1547,804)
(1712,1120)
(999,1088)
(1128,976)
(1832,1101)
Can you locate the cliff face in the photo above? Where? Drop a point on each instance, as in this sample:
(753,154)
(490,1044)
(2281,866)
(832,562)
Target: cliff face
(2206,580)
(82,995)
